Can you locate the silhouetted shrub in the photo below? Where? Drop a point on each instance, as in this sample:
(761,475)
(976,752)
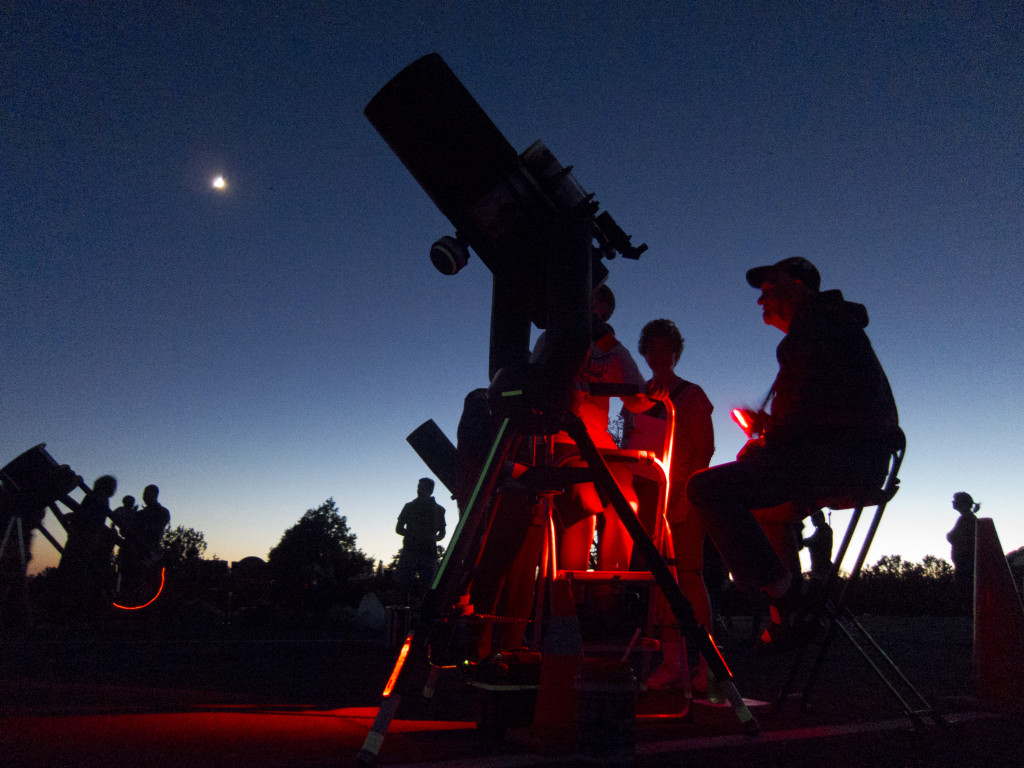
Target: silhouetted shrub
(317,564)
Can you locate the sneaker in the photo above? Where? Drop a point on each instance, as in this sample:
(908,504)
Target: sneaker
(785,614)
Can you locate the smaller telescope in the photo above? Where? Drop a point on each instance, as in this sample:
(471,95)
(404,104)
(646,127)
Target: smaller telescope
(29,484)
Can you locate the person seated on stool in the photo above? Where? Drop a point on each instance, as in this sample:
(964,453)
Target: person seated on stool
(831,412)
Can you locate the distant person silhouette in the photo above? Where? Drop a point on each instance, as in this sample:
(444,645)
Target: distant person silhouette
(421,526)
(131,555)
(961,540)
(819,547)
(125,512)
(85,567)
(153,520)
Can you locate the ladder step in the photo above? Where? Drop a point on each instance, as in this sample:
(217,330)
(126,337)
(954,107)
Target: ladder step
(606,576)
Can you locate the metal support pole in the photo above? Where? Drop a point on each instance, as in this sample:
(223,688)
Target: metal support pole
(660,571)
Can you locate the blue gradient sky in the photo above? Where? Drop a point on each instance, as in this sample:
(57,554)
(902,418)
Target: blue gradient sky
(257,350)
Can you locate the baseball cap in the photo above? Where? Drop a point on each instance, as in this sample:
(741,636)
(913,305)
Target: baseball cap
(795,266)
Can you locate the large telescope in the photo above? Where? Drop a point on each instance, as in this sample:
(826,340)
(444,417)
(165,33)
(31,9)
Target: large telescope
(526,216)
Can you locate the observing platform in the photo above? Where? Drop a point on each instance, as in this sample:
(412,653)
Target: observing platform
(226,696)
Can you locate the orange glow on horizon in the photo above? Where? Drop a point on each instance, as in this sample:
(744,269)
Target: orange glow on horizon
(163,573)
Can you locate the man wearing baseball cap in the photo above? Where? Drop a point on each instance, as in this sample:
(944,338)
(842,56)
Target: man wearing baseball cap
(827,431)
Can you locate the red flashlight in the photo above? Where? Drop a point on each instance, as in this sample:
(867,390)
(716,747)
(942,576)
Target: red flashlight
(744,420)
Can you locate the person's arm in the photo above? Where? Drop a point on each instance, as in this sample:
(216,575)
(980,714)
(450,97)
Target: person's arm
(653,394)
(694,440)
(401,527)
(439,522)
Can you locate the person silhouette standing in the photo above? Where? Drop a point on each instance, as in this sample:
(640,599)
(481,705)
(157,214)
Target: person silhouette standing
(152,521)
(961,540)
(693,445)
(819,547)
(85,565)
(421,525)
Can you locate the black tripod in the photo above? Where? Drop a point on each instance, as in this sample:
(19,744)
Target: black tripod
(447,599)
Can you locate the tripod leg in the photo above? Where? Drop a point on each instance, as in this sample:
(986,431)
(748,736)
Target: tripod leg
(15,535)
(21,544)
(7,534)
(660,570)
(50,538)
(449,582)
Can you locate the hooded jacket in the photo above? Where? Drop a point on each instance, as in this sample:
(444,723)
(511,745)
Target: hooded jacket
(830,386)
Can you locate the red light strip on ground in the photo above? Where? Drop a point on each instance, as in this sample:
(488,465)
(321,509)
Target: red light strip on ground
(163,573)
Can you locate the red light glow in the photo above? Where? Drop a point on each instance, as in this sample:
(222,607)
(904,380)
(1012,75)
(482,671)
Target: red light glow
(163,574)
(740,417)
(398,665)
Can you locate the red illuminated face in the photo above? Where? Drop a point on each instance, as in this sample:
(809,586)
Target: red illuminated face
(660,356)
(780,295)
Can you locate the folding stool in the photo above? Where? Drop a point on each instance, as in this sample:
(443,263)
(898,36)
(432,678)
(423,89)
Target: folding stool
(828,612)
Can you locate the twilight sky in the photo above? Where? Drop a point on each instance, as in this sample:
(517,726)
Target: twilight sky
(257,349)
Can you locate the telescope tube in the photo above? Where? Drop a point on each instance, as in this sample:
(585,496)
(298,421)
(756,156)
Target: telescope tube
(442,136)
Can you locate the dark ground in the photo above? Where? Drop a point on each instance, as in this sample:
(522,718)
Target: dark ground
(55,684)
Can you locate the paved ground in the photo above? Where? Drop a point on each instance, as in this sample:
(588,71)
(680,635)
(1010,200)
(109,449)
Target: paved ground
(143,696)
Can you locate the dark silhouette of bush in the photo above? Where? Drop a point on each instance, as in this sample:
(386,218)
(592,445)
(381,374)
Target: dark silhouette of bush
(891,587)
(896,587)
(181,545)
(316,564)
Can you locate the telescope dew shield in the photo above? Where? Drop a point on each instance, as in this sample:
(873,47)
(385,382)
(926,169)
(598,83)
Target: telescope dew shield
(437,451)
(442,136)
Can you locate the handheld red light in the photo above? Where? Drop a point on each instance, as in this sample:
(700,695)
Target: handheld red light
(743,420)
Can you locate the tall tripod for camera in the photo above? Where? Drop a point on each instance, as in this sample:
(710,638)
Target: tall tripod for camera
(447,602)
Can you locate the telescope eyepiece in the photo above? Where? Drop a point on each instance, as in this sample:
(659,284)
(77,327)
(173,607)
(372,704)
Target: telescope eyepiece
(448,255)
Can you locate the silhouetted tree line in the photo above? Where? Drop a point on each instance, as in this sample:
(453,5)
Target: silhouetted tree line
(891,587)
(318,568)
(896,587)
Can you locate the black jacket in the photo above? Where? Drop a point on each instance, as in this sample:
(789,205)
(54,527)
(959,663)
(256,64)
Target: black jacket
(830,386)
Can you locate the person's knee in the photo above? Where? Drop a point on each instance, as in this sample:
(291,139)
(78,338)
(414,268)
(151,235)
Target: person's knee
(697,487)
(710,494)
